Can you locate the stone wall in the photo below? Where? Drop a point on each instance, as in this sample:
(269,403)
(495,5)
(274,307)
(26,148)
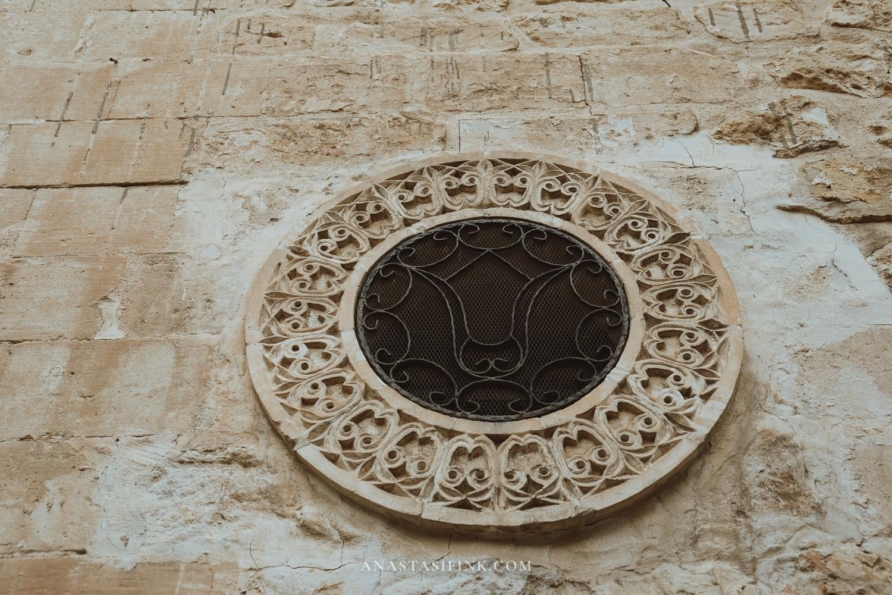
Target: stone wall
(154,152)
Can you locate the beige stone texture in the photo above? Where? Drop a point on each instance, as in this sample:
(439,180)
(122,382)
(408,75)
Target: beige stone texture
(378,33)
(110,387)
(846,191)
(29,36)
(881,128)
(289,141)
(103,152)
(743,22)
(792,126)
(153,153)
(857,69)
(862,14)
(14,207)
(565,27)
(98,220)
(53,92)
(881,260)
(152,32)
(46,575)
(598,132)
(644,76)
(55,298)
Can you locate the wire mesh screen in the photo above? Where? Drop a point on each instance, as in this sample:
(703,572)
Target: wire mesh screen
(492,319)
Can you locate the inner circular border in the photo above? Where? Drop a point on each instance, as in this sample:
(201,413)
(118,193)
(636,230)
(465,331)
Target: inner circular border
(563,516)
(347,324)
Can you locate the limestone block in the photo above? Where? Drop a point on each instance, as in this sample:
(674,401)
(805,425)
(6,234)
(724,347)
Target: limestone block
(90,92)
(144,219)
(596,2)
(56,298)
(461,82)
(14,206)
(791,126)
(43,154)
(49,6)
(69,221)
(846,569)
(478,83)
(417,35)
(264,36)
(203,7)
(235,88)
(847,192)
(571,27)
(52,92)
(166,36)
(14,5)
(781,486)
(92,221)
(641,76)
(361,85)
(714,199)
(73,575)
(175,89)
(881,260)
(851,564)
(212,88)
(860,70)
(882,129)
(874,461)
(862,14)
(859,364)
(185,5)
(31,93)
(102,388)
(87,153)
(137,152)
(482,5)
(46,495)
(755,21)
(30,36)
(166,294)
(313,142)
(860,182)
(602,133)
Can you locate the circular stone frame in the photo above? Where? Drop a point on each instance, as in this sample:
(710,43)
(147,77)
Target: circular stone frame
(643,423)
(347,322)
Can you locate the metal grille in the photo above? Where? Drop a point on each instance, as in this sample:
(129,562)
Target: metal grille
(492,319)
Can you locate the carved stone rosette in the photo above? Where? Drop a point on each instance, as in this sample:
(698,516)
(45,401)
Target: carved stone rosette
(646,420)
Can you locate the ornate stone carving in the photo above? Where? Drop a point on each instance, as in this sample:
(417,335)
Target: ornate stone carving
(675,377)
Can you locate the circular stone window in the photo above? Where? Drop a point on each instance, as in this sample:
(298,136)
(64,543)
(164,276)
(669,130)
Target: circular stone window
(495,343)
(492,319)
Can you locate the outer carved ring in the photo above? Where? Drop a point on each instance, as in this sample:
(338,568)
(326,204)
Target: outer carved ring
(576,465)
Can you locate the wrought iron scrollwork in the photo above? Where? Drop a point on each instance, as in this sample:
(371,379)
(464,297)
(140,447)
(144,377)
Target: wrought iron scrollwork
(492,319)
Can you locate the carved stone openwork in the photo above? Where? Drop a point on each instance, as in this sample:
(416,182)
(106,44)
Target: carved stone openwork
(644,421)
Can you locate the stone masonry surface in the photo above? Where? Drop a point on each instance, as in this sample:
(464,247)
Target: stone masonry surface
(153,153)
